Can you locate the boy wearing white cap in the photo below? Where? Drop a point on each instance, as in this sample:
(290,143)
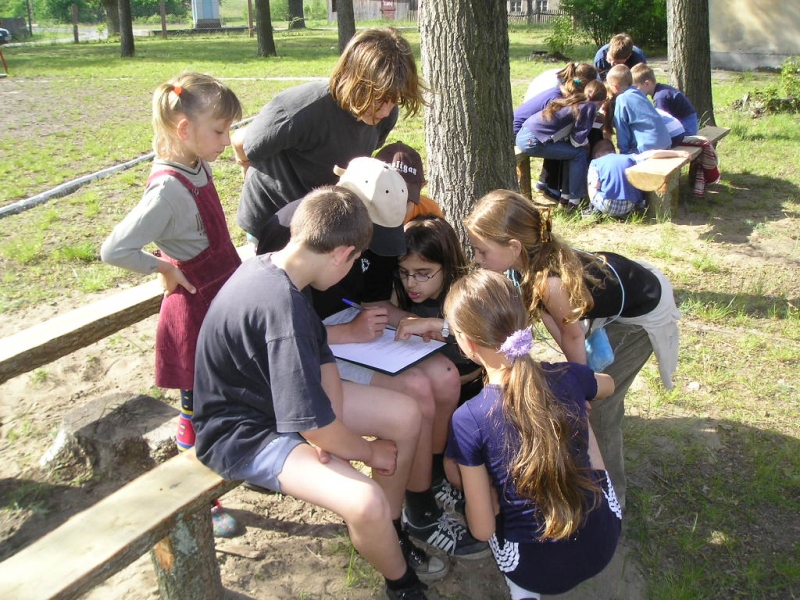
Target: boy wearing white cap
(433,383)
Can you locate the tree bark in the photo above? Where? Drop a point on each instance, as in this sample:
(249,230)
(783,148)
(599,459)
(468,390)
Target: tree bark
(346,21)
(296,16)
(689,51)
(465,59)
(112,17)
(127,49)
(266,41)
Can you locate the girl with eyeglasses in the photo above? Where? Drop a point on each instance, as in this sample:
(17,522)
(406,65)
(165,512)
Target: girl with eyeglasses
(433,261)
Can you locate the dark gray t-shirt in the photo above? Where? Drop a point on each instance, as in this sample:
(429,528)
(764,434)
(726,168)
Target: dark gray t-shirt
(257,370)
(293,145)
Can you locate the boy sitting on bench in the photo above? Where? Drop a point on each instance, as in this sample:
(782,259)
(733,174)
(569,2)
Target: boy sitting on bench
(267,387)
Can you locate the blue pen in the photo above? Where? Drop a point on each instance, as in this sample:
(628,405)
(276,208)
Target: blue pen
(353,304)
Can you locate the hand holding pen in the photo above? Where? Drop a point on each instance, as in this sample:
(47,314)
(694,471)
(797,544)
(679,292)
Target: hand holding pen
(369,323)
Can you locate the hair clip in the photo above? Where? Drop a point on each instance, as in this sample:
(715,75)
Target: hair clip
(545,226)
(517,344)
(178,90)
(577,81)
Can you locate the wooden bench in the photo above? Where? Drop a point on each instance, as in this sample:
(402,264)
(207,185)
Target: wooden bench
(165,511)
(660,177)
(45,342)
(523,172)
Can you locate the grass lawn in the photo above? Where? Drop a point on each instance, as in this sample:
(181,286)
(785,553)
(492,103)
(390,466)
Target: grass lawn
(714,463)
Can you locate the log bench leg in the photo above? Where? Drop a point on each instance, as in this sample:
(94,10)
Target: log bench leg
(185,561)
(524,176)
(663,203)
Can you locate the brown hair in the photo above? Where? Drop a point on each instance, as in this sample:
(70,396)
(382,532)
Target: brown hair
(486,309)
(330,217)
(574,76)
(620,47)
(641,73)
(501,216)
(377,65)
(189,95)
(593,91)
(433,239)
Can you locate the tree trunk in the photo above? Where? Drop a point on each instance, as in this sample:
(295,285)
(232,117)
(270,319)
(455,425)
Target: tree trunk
(266,42)
(127,49)
(112,17)
(689,50)
(346,20)
(465,59)
(296,16)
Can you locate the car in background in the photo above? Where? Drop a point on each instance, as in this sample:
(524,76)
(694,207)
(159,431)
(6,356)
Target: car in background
(5,36)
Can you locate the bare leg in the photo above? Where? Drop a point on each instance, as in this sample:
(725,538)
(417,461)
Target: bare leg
(446,387)
(390,416)
(415,384)
(338,487)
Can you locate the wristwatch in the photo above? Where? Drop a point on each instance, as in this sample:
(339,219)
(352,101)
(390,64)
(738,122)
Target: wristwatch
(445,328)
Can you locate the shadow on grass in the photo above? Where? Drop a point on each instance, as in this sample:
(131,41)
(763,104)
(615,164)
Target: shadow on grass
(734,208)
(714,507)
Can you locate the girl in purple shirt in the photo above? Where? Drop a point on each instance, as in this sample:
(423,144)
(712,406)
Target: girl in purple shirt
(561,131)
(532,473)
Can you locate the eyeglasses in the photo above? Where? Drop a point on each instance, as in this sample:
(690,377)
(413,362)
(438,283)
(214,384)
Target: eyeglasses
(418,277)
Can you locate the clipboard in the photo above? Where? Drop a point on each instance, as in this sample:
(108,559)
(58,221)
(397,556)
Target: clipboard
(382,354)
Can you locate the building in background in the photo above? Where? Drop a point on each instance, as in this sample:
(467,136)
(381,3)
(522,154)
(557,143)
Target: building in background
(748,34)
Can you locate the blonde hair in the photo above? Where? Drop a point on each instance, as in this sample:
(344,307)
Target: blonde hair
(191,95)
(501,216)
(620,76)
(641,73)
(377,65)
(485,308)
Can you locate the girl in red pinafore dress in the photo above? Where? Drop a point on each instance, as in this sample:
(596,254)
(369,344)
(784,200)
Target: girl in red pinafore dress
(181,213)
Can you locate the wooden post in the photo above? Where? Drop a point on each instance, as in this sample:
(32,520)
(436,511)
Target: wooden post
(75,23)
(163,8)
(185,561)
(250,17)
(523,173)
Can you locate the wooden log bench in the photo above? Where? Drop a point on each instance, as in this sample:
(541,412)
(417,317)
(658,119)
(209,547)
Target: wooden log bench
(45,342)
(660,177)
(166,511)
(523,172)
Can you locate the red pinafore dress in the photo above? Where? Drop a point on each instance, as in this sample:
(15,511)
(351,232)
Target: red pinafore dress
(182,313)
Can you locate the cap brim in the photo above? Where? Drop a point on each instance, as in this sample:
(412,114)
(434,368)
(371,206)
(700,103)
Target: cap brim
(414,190)
(388,241)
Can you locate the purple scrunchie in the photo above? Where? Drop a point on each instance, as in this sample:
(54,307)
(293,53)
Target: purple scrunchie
(517,344)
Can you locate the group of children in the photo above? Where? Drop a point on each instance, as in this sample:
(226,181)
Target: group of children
(479,448)
(592,175)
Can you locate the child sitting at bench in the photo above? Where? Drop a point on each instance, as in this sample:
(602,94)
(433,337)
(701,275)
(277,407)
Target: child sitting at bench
(267,387)
(619,51)
(666,97)
(638,125)
(610,192)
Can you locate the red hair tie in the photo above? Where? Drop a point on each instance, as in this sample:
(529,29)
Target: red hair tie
(177,89)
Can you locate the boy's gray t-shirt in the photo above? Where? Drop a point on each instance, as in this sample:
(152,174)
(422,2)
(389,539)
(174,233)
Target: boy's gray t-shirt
(257,370)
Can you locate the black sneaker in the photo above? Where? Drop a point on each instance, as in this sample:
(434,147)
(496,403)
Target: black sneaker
(449,498)
(449,535)
(427,568)
(415,592)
